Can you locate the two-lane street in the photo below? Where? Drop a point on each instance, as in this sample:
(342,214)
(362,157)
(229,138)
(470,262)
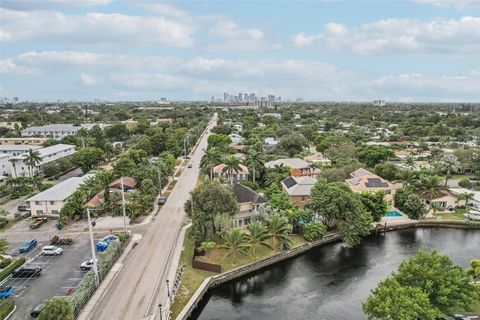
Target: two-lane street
(135,291)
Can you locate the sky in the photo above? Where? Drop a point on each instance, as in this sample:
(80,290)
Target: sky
(409,50)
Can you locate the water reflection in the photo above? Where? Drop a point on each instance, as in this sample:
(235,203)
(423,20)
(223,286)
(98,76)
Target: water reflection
(330,282)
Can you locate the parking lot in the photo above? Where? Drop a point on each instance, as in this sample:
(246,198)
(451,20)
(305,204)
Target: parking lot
(59,273)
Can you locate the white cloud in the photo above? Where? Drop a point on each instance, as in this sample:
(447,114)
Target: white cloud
(458,4)
(88,80)
(460,37)
(9,66)
(94,28)
(45,4)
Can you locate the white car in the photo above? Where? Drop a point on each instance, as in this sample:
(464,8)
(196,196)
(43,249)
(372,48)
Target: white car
(87,265)
(51,251)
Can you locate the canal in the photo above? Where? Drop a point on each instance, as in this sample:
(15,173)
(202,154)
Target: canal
(331,282)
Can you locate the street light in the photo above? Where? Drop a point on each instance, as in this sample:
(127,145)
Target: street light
(168,289)
(92,245)
(123,207)
(160,307)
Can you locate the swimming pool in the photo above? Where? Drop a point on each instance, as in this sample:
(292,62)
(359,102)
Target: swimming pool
(393,214)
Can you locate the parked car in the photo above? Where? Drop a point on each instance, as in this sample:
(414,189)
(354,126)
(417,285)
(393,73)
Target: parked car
(23,207)
(36,311)
(37,223)
(162,200)
(102,246)
(87,265)
(189,165)
(6,292)
(27,272)
(109,238)
(28,245)
(51,251)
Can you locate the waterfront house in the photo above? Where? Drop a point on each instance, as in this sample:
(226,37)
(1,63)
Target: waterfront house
(250,204)
(365,181)
(298,189)
(443,200)
(475,202)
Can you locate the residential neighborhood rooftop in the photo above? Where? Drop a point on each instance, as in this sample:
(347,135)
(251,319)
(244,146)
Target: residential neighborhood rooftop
(294,163)
(245,194)
(298,186)
(61,191)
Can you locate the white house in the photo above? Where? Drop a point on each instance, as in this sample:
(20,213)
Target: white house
(52,200)
(443,200)
(48,155)
(236,138)
(17,149)
(31,141)
(5,165)
(475,202)
(56,131)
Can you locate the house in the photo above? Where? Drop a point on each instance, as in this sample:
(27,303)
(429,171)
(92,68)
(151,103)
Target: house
(298,167)
(219,172)
(47,155)
(443,200)
(5,165)
(236,138)
(17,149)
(364,181)
(128,184)
(474,203)
(318,158)
(52,200)
(298,189)
(270,141)
(250,204)
(30,141)
(55,131)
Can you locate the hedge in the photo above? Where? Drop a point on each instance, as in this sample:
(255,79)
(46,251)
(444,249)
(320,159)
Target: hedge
(6,307)
(10,268)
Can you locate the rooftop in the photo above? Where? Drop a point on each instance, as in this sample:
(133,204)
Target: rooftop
(245,194)
(364,180)
(61,191)
(459,191)
(18,147)
(48,150)
(60,127)
(298,186)
(221,167)
(294,163)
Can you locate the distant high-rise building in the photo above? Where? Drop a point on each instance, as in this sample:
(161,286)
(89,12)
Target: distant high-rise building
(225,97)
(15,99)
(379,103)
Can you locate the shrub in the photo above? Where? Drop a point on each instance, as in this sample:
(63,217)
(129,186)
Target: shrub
(10,268)
(313,230)
(6,307)
(4,263)
(465,183)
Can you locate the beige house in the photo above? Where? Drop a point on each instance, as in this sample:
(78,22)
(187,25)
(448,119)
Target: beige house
(298,167)
(219,172)
(364,181)
(298,189)
(52,200)
(444,200)
(250,204)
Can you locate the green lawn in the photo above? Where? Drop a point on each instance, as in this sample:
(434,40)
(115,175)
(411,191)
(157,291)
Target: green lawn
(455,215)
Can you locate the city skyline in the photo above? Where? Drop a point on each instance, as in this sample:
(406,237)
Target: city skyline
(424,50)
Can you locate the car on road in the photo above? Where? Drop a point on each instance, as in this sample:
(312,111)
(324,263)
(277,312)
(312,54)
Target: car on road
(5,292)
(27,272)
(28,245)
(189,165)
(51,251)
(36,311)
(87,265)
(161,200)
(23,207)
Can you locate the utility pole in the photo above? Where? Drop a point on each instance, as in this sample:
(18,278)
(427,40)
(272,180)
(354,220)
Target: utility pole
(92,245)
(185,148)
(160,180)
(123,207)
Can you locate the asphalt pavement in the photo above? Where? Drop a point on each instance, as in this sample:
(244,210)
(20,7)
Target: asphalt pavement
(140,283)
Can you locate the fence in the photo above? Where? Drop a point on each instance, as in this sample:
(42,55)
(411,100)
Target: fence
(202,265)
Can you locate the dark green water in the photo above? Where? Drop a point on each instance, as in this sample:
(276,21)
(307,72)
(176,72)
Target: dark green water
(331,282)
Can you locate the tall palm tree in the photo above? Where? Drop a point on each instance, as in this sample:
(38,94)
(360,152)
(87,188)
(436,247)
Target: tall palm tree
(258,237)
(407,177)
(255,160)
(13,162)
(235,242)
(32,159)
(56,308)
(449,163)
(83,134)
(468,196)
(430,186)
(232,164)
(279,230)
(210,159)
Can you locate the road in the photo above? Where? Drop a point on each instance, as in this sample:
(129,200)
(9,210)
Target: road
(135,291)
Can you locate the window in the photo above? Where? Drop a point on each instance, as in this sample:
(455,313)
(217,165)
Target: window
(247,221)
(240,222)
(52,203)
(55,212)
(39,211)
(303,198)
(38,203)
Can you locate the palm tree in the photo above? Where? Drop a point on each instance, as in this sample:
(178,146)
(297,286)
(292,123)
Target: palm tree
(83,133)
(258,237)
(449,164)
(104,178)
(235,242)
(254,159)
(279,230)
(32,159)
(407,177)
(467,196)
(430,186)
(56,308)
(410,162)
(210,159)
(13,162)
(232,164)
(277,174)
